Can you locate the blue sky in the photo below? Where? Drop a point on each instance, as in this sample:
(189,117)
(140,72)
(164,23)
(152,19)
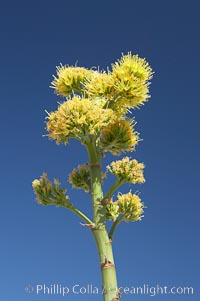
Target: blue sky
(47,245)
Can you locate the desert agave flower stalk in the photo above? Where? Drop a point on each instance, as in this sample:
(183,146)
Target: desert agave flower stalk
(94,112)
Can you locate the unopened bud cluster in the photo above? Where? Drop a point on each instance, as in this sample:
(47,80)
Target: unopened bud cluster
(80,177)
(48,193)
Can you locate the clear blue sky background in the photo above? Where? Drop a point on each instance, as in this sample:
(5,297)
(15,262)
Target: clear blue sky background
(47,244)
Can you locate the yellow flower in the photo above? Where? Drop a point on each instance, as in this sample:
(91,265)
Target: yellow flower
(118,137)
(100,84)
(131,75)
(126,86)
(127,170)
(132,66)
(78,118)
(130,206)
(35,183)
(70,79)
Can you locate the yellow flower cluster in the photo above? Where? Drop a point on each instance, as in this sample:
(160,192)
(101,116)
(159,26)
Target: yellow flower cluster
(100,84)
(97,102)
(118,137)
(48,193)
(134,66)
(78,118)
(126,170)
(132,75)
(70,80)
(112,210)
(128,207)
(125,86)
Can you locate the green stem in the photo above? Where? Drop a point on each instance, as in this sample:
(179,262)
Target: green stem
(112,189)
(114,226)
(80,214)
(96,185)
(108,271)
(103,243)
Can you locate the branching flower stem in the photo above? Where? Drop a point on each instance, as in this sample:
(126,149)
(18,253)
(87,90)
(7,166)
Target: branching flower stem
(114,187)
(80,214)
(114,226)
(103,243)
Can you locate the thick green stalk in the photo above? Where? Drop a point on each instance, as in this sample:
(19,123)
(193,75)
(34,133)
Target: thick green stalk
(96,186)
(108,271)
(103,243)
